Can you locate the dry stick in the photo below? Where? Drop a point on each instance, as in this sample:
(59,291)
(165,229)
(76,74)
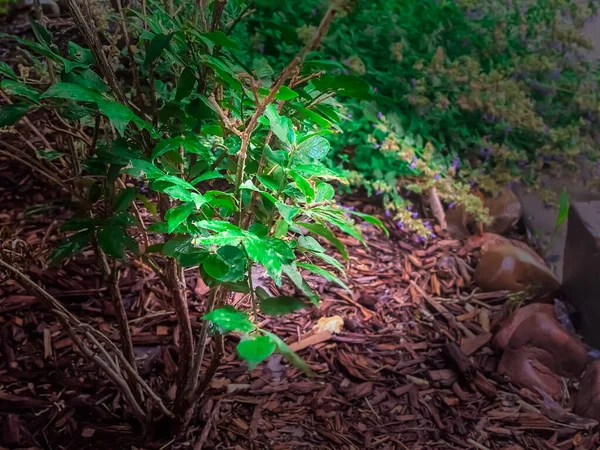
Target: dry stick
(65,318)
(85,25)
(176,279)
(134,69)
(28,122)
(283,77)
(33,166)
(218,7)
(132,372)
(110,274)
(138,215)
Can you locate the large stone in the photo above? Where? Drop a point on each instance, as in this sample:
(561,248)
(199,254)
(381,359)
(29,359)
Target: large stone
(540,351)
(587,400)
(504,209)
(505,265)
(581,273)
(508,328)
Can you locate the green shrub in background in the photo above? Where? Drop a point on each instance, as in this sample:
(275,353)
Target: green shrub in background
(499,89)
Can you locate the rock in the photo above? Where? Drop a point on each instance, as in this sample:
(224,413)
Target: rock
(509,326)
(457,222)
(587,400)
(506,265)
(540,350)
(523,368)
(504,209)
(582,267)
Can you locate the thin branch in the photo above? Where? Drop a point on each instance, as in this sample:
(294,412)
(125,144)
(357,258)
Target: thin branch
(243,14)
(34,167)
(68,321)
(28,122)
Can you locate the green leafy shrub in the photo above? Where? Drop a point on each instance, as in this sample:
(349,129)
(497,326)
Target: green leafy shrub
(226,156)
(498,88)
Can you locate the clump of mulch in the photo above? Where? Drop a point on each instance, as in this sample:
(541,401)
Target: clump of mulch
(411,368)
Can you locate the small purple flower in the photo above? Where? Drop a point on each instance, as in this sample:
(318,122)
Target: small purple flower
(452,205)
(261,48)
(412,166)
(555,73)
(376,145)
(432,236)
(313,11)
(413,82)
(379,115)
(377,192)
(346,72)
(436,176)
(456,162)
(399,224)
(409,207)
(415,215)
(375,89)
(349,116)
(415,159)
(387,213)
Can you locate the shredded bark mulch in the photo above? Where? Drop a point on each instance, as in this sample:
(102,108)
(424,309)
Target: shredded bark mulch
(411,368)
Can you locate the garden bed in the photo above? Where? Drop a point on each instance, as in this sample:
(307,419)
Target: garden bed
(397,375)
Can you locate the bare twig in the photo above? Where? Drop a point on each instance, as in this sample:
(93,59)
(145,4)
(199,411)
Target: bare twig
(69,322)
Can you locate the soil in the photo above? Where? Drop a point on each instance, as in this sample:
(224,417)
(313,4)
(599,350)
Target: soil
(412,367)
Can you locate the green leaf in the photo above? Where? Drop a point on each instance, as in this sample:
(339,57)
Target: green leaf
(11,114)
(325,192)
(285,93)
(292,272)
(41,33)
(378,223)
(279,306)
(221,39)
(315,147)
(80,54)
(323,273)
(114,240)
(325,232)
(158,43)
(270,253)
(78,224)
(320,171)
(185,84)
(20,90)
(256,349)
(210,175)
(228,264)
(177,215)
(228,319)
(262,68)
(304,186)
(177,181)
(7,71)
(86,78)
(289,354)
(118,114)
(124,199)
(281,126)
(310,243)
(189,145)
(70,246)
(563,208)
(281,228)
(71,91)
(287,212)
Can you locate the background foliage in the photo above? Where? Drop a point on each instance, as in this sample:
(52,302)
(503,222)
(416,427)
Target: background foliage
(499,89)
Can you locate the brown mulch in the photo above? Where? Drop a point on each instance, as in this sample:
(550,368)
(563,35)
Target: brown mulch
(412,368)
